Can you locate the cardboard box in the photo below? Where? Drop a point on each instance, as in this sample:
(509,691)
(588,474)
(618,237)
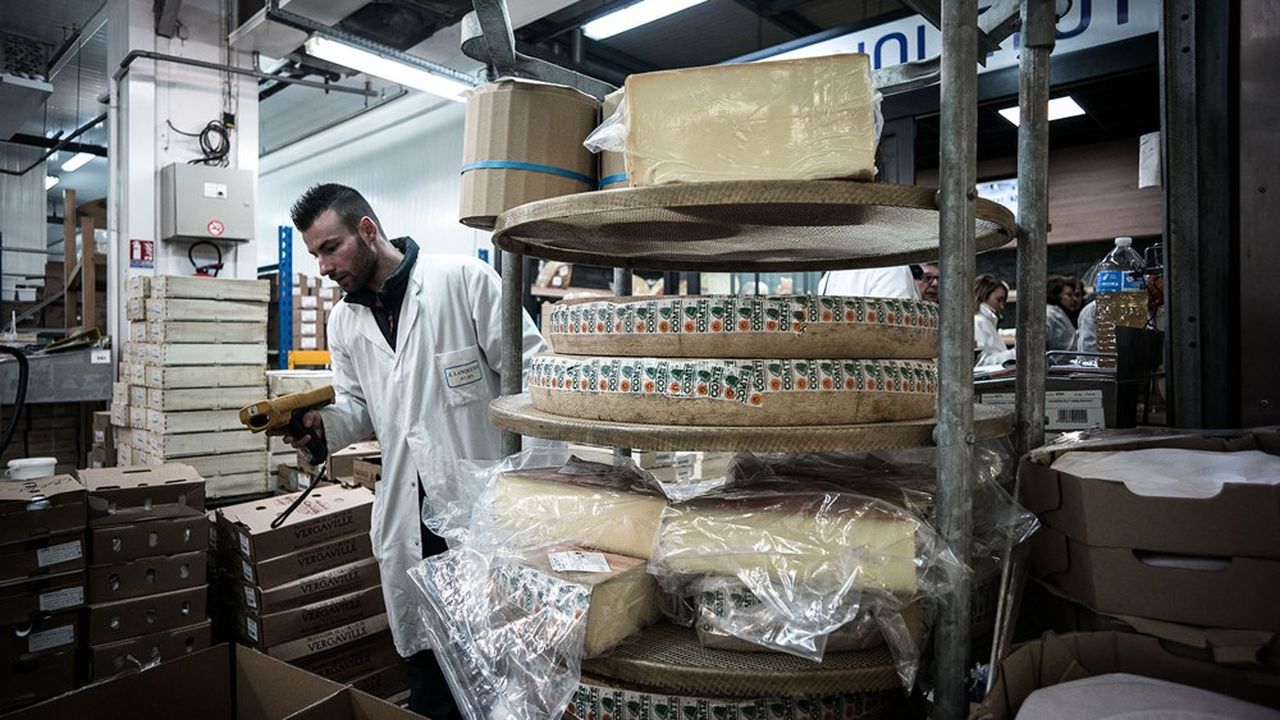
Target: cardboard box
(1057,659)
(113,658)
(125,619)
(1045,607)
(1232,592)
(146,576)
(138,417)
(342,462)
(138,331)
(27,681)
(225,681)
(122,543)
(264,631)
(203,399)
(21,600)
(182,331)
(137,396)
(204,376)
(520,121)
(1242,520)
(120,416)
(387,682)
(43,635)
(122,496)
(352,704)
(367,471)
(124,456)
(273,572)
(292,479)
(327,513)
(46,555)
(328,640)
(103,457)
(165,446)
(355,660)
(341,580)
(102,429)
(39,507)
(139,286)
(200,310)
(120,391)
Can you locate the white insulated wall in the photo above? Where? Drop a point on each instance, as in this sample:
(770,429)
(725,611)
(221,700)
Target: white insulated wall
(403,156)
(22,220)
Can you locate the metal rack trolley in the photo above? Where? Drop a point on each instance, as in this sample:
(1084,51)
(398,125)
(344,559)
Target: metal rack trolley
(966,38)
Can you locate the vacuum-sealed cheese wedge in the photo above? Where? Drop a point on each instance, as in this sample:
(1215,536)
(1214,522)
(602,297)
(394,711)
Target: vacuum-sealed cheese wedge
(804,119)
(620,598)
(610,511)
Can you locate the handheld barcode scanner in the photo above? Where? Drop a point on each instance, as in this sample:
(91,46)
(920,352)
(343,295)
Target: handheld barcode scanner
(286,412)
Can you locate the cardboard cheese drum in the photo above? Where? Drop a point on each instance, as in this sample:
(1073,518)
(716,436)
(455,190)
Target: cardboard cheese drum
(523,142)
(738,393)
(728,326)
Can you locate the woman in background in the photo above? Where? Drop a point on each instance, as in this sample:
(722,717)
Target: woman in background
(989,295)
(1064,301)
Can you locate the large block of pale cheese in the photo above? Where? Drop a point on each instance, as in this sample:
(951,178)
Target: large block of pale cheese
(618,602)
(608,511)
(811,538)
(806,119)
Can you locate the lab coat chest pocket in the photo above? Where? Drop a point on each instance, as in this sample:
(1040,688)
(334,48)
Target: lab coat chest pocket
(461,375)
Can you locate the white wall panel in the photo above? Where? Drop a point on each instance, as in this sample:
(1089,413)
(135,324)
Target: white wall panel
(404,157)
(22,218)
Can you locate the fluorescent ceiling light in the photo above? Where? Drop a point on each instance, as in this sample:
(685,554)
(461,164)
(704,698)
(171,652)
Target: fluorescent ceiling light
(1060,107)
(76,162)
(50,181)
(386,68)
(633,16)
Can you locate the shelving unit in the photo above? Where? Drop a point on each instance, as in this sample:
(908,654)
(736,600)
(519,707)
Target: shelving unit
(951,225)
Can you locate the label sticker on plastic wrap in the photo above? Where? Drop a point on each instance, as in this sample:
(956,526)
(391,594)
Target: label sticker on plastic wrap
(59,599)
(244,544)
(578,561)
(246,570)
(57,554)
(48,639)
(252,627)
(250,598)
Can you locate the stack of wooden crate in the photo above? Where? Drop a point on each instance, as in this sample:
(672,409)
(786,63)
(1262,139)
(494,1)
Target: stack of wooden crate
(197,354)
(283,461)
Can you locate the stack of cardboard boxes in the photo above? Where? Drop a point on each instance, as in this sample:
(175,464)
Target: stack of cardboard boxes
(282,460)
(46,430)
(42,587)
(1200,571)
(308,592)
(103,452)
(311,307)
(197,355)
(147,589)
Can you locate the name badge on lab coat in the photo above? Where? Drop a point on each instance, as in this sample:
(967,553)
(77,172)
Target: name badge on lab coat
(467,373)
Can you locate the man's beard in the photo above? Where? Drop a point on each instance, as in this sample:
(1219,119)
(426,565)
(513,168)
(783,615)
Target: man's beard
(363,266)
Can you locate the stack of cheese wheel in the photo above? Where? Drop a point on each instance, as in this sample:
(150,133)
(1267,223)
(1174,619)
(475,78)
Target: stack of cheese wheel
(739,361)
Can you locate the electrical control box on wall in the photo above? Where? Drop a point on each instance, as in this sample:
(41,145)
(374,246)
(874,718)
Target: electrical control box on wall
(198,202)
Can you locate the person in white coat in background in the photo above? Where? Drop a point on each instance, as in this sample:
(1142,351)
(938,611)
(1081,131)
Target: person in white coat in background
(888,282)
(990,294)
(1065,295)
(416,360)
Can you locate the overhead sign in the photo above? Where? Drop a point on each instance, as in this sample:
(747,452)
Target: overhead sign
(1088,24)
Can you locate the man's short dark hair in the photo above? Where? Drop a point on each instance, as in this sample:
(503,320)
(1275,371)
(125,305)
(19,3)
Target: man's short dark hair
(347,202)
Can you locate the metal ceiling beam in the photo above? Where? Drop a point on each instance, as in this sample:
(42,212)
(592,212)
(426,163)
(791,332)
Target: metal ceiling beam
(788,20)
(44,142)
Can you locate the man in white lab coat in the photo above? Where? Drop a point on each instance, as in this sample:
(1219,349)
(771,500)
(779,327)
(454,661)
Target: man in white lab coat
(415,353)
(887,282)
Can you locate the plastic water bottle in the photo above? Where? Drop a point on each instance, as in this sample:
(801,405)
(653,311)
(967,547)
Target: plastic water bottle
(1122,300)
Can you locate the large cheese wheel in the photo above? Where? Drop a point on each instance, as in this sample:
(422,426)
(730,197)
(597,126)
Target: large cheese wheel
(723,392)
(788,326)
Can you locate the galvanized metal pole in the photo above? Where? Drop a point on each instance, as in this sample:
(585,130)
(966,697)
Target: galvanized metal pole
(512,337)
(622,280)
(1033,218)
(958,191)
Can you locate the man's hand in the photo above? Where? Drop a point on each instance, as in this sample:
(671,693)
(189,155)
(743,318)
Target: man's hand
(311,420)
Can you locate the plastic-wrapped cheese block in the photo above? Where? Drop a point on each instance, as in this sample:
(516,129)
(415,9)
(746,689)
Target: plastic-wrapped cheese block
(785,326)
(620,600)
(1120,696)
(613,169)
(732,392)
(611,511)
(804,119)
(813,540)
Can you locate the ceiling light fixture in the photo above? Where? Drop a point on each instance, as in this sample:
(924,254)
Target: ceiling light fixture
(633,16)
(76,162)
(1059,108)
(50,181)
(387,68)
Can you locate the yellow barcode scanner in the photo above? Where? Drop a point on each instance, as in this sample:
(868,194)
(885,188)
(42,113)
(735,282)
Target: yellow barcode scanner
(286,412)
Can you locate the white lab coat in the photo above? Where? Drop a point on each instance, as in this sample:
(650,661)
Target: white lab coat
(427,402)
(890,282)
(1059,334)
(1087,334)
(986,336)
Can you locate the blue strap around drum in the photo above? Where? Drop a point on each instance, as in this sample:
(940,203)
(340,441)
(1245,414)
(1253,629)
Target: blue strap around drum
(528,166)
